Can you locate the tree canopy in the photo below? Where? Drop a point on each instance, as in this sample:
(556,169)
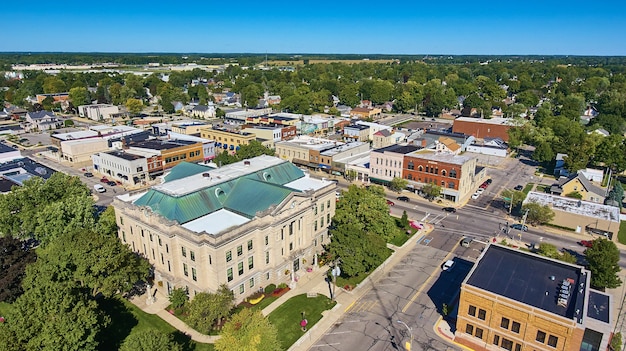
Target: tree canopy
(248,330)
(603,259)
(150,340)
(208,308)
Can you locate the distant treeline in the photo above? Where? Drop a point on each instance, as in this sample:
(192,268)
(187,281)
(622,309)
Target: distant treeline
(10,58)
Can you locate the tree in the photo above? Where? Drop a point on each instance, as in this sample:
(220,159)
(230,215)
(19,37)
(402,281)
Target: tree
(549,250)
(404,220)
(79,96)
(53,84)
(178,297)
(398,184)
(538,214)
(574,195)
(14,256)
(52,316)
(248,330)
(617,193)
(360,228)
(351,175)
(543,152)
(149,340)
(134,106)
(206,309)
(603,258)
(431,191)
(100,263)
(106,224)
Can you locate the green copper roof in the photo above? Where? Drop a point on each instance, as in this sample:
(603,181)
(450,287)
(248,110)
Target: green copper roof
(185,169)
(245,195)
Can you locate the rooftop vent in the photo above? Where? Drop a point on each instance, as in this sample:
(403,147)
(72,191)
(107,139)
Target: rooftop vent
(206,175)
(246,163)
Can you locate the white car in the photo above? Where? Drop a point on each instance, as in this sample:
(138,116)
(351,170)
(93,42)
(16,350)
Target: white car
(448,265)
(480,190)
(475,196)
(99,188)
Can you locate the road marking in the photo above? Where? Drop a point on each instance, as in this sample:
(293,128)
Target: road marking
(432,275)
(339,332)
(350,306)
(322,345)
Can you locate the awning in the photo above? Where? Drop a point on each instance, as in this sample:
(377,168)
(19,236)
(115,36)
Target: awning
(379,181)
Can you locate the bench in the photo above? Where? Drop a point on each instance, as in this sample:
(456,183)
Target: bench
(311,294)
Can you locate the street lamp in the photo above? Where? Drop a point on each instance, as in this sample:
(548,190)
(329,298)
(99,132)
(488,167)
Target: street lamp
(408,344)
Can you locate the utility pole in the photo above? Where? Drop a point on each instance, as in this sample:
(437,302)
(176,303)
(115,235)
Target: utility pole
(408,344)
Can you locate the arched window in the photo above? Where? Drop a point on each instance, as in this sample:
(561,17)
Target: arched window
(420,168)
(451,185)
(443,172)
(453,173)
(443,183)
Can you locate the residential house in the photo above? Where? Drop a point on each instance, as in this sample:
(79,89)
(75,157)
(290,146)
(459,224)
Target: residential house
(41,120)
(578,183)
(203,111)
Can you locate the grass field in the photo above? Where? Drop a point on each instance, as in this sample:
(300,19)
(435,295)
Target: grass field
(286,318)
(621,236)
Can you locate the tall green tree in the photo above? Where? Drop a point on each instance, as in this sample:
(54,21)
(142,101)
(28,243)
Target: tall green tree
(79,96)
(248,330)
(14,257)
(134,106)
(537,213)
(431,191)
(52,316)
(208,308)
(603,258)
(398,184)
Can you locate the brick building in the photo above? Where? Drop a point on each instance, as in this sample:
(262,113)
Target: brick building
(483,128)
(515,300)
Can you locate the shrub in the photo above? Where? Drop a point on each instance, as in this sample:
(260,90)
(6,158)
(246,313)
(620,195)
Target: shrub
(282,285)
(270,288)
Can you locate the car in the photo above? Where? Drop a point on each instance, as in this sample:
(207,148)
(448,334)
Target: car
(448,265)
(403,198)
(104,180)
(466,242)
(519,226)
(99,188)
(111,183)
(390,203)
(518,187)
(488,181)
(449,209)
(484,186)
(480,190)
(586,243)
(88,174)
(475,196)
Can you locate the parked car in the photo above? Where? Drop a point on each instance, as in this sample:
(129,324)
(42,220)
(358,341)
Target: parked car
(104,180)
(484,186)
(390,203)
(111,183)
(586,243)
(448,265)
(99,188)
(466,242)
(488,181)
(518,187)
(519,226)
(88,174)
(480,190)
(403,198)
(475,196)
(449,209)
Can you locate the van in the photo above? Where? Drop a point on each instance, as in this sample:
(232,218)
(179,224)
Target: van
(466,242)
(99,188)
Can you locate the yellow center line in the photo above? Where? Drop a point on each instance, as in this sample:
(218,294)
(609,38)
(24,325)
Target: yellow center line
(432,275)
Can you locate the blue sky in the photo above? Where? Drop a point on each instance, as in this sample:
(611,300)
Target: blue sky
(526,27)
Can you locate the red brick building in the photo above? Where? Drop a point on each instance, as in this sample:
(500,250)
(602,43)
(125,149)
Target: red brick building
(483,128)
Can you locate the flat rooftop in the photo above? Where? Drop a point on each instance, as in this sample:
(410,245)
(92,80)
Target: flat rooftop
(529,279)
(497,121)
(430,155)
(579,207)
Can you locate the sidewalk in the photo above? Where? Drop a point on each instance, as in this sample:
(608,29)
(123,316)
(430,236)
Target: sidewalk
(345,299)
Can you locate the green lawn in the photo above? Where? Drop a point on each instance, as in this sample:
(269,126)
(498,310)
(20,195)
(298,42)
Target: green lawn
(127,318)
(286,318)
(621,235)
(528,188)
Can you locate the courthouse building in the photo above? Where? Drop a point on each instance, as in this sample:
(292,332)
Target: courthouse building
(249,224)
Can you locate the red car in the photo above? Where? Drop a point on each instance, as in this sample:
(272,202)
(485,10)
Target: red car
(104,180)
(390,203)
(586,243)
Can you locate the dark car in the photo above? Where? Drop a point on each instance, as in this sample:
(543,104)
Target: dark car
(390,203)
(111,183)
(403,198)
(88,174)
(518,187)
(519,226)
(449,209)
(488,181)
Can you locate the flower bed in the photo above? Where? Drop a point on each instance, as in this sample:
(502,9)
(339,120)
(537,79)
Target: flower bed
(280,291)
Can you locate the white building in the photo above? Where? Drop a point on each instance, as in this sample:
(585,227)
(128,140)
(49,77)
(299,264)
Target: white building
(98,112)
(130,168)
